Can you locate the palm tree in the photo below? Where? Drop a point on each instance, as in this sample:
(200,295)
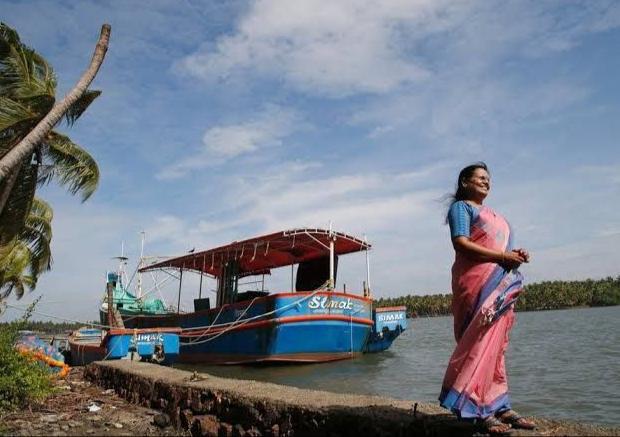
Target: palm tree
(32,153)
(29,254)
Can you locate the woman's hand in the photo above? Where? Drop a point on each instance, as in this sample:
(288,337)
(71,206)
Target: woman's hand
(513,259)
(524,254)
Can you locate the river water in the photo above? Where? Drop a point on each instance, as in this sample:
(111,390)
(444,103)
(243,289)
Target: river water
(561,364)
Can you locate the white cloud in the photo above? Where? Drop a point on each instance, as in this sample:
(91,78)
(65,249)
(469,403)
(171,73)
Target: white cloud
(333,48)
(220,143)
(350,47)
(392,209)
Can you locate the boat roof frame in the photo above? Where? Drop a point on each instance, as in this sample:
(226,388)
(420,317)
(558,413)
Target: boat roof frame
(278,249)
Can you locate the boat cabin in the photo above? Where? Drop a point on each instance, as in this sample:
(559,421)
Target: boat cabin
(315,251)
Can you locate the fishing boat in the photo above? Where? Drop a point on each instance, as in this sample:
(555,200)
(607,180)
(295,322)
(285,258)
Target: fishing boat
(310,322)
(153,345)
(125,303)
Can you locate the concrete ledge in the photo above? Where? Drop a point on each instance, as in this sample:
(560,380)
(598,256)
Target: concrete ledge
(209,405)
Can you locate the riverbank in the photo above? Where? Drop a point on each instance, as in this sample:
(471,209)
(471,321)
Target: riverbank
(79,407)
(129,398)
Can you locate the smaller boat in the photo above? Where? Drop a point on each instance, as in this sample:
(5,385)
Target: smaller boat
(31,345)
(389,323)
(158,345)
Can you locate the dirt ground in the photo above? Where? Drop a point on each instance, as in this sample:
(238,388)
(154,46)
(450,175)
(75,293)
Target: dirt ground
(81,408)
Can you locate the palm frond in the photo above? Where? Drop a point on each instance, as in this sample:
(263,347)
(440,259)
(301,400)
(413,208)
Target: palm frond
(72,166)
(40,208)
(24,74)
(8,37)
(13,113)
(15,267)
(18,204)
(37,234)
(81,105)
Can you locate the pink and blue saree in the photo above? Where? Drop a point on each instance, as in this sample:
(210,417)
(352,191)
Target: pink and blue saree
(475,384)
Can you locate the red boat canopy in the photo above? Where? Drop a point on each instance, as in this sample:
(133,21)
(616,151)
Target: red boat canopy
(259,255)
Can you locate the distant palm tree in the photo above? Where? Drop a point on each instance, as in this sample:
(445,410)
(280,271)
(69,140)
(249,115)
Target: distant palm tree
(27,96)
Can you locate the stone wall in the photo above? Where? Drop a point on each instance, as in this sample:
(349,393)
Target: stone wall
(212,406)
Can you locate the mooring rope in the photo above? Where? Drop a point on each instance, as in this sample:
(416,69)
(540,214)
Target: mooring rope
(235,324)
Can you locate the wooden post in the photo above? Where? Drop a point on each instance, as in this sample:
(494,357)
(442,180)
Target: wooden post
(110,290)
(180,284)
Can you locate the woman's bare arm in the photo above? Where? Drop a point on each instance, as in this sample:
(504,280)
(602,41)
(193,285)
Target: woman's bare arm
(464,245)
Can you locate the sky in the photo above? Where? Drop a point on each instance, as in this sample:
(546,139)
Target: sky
(224,120)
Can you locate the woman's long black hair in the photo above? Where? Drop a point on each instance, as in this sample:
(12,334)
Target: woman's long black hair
(464,175)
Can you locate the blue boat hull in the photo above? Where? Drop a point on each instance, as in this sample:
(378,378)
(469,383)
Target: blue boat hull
(306,341)
(390,322)
(88,345)
(293,327)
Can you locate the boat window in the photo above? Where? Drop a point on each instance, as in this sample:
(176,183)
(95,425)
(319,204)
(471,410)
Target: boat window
(314,273)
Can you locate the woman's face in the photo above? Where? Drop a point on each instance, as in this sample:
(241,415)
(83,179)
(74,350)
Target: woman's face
(479,184)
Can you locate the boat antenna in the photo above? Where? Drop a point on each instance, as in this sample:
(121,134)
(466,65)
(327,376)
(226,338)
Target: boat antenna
(121,265)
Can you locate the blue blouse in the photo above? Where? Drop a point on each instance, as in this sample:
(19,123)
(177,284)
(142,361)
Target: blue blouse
(460,217)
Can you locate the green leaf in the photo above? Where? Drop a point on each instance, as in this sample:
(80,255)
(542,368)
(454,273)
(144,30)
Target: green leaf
(81,104)
(13,113)
(72,166)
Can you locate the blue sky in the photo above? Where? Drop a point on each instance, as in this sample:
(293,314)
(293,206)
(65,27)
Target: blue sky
(223,120)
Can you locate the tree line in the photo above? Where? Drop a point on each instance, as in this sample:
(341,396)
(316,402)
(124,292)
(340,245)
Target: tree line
(546,295)
(47,326)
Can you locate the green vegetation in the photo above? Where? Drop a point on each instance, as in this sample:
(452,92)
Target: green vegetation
(21,380)
(27,95)
(548,295)
(47,327)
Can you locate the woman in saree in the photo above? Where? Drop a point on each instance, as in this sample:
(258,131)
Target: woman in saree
(485,286)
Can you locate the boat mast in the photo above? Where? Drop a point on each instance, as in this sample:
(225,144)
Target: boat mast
(331,257)
(180,284)
(367,287)
(141,262)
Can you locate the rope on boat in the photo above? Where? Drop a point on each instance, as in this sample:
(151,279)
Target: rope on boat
(215,320)
(225,330)
(235,324)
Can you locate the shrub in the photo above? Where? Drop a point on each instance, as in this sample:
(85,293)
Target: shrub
(22,380)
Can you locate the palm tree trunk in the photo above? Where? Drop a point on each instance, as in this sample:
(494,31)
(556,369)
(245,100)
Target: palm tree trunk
(24,149)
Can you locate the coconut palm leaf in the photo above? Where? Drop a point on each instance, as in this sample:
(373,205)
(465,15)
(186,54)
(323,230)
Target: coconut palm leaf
(71,165)
(18,204)
(8,38)
(13,114)
(29,254)
(25,74)
(14,277)
(81,105)
(37,234)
